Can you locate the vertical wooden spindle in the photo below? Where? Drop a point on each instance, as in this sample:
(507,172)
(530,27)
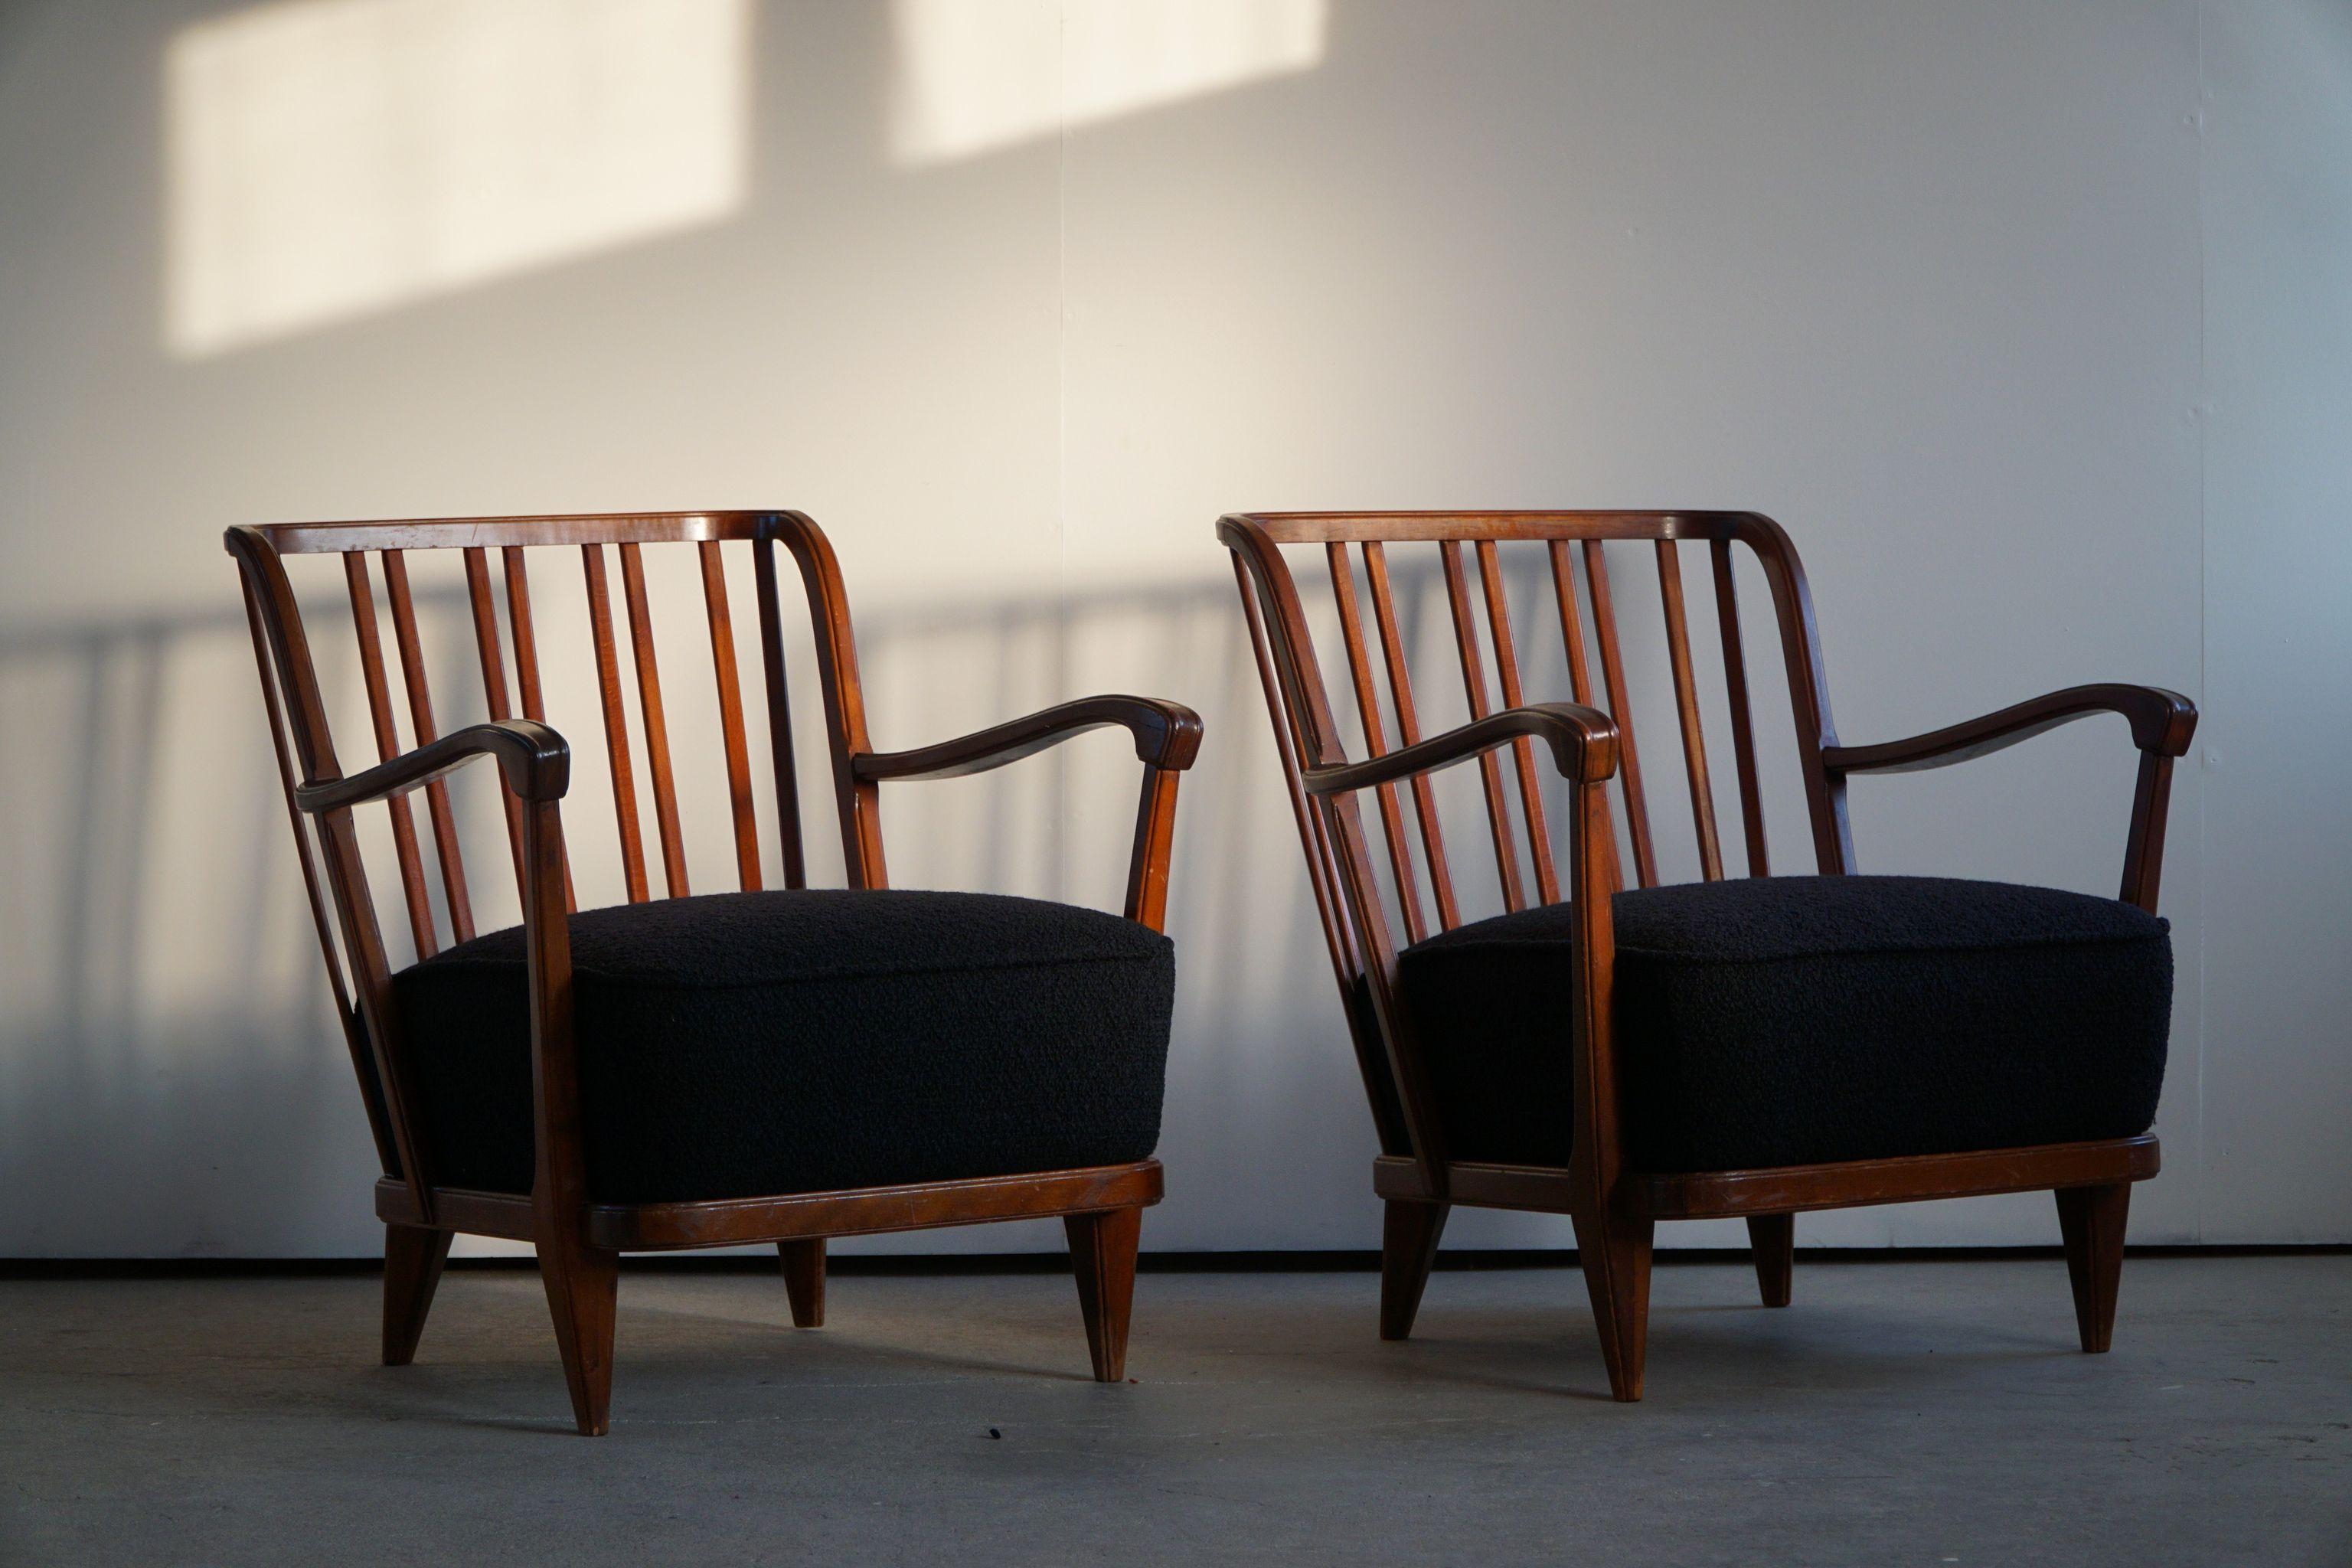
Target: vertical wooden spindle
(1424,802)
(420,716)
(1572,628)
(649,708)
(730,715)
(1507,670)
(1490,767)
(1367,703)
(780,711)
(494,683)
(1743,719)
(1670,593)
(387,746)
(616,723)
(526,647)
(1580,671)
(1612,670)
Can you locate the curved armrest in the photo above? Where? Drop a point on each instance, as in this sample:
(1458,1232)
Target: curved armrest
(1167,735)
(535,760)
(2161,724)
(1583,742)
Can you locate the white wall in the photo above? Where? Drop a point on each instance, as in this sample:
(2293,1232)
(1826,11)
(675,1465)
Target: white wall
(2028,319)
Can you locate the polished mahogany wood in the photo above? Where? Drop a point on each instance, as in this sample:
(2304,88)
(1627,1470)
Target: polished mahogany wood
(387,746)
(2161,722)
(1399,673)
(1614,1252)
(1166,734)
(2091,1221)
(535,762)
(780,712)
(1368,713)
(422,728)
(730,715)
(1102,1260)
(579,1240)
(526,657)
(1857,1183)
(413,1259)
(1490,767)
(616,722)
(1787,1189)
(1583,742)
(1773,1238)
(1743,716)
(655,717)
(1523,754)
(1679,658)
(468,1212)
(487,650)
(733,1222)
(1409,1236)
(1155,839)
(804,1264)
(1591,742)
(867,1211)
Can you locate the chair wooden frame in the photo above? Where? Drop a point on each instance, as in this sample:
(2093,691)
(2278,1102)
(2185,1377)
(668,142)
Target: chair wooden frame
(1615,1207)
(578,1239)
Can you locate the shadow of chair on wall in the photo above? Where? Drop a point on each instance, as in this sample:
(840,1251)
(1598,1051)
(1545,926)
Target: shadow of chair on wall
(169,1060)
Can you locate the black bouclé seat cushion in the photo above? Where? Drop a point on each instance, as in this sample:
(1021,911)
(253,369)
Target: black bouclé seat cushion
(1803,1020)
(743,1045)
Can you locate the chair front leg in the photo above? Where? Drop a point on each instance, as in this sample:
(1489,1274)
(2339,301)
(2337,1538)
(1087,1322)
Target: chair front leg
(1102,1256)
(1612,1238)
(582,1289)
(582,1278)
(1615,1252)
(2091,1221)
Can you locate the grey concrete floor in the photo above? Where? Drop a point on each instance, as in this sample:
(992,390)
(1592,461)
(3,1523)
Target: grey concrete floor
(1922,1412)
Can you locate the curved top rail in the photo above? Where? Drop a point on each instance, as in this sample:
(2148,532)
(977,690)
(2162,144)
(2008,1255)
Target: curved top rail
(475,533)
(1415,527)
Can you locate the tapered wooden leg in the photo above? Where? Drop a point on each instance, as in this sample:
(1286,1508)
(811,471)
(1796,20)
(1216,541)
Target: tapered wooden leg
(1773,1238)
(581,1284)
(804,1280)
(1409,1235)
(1615,1252)
(1102,1256)
(413,1256)
(2091,1221)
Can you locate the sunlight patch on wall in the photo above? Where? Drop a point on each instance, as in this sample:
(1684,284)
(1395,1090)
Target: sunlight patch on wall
(327,159)
(973,75)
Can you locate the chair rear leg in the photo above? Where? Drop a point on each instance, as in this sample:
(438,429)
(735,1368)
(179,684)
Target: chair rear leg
(2091,1221)
(1409,1234)
(1773,1238)
(583,1283)
(1615,1252)
(804,1280)
(413,1256)
(1102,1256)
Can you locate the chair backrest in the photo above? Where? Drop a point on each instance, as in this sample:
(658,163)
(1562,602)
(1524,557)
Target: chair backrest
(1572,546)
(308,753)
